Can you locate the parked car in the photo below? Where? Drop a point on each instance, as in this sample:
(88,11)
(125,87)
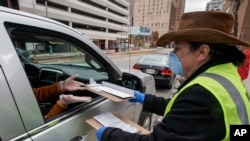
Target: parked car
(157,66)
(21,115)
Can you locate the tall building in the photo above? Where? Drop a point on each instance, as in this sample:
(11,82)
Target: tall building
(243,18)
(179,11)
(154,14)
(215,5)
(157,15)
(103,21)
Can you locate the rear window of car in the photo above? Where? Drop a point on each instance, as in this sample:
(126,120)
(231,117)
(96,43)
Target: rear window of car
(156,59)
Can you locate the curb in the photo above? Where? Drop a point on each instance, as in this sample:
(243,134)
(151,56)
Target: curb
(66,57)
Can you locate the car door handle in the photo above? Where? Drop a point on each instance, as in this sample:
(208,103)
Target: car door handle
(80,138)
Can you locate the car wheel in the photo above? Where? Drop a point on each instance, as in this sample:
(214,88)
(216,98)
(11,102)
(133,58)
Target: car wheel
(145,120)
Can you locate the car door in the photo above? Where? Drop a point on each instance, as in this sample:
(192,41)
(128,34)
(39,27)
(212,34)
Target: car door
(11,125)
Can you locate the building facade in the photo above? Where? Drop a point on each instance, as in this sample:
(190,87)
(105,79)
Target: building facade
(102,21)
(154,14)
(243,27)
(215,5)
(179,12)
(159,16)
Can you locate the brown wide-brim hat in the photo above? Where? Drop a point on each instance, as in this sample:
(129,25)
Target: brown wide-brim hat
(204,27)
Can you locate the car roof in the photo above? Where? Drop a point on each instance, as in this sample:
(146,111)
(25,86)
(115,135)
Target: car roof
(153,54)
(154,58)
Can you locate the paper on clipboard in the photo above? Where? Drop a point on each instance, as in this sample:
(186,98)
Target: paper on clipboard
(113,89)
(96,124)
(109,120)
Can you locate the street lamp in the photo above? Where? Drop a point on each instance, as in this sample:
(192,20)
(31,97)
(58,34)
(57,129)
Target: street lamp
(140,36)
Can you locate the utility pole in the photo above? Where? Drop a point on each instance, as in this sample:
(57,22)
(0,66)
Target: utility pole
(236,6)
(46,8)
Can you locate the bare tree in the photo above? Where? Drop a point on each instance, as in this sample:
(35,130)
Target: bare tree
(236,6)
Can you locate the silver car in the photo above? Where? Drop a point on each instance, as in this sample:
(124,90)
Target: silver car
(55,52)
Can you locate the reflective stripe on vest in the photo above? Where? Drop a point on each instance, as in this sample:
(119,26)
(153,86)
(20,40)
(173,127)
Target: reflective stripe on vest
(234,93)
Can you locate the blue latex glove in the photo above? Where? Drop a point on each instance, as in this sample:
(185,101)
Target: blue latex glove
(99,132)
(139,97)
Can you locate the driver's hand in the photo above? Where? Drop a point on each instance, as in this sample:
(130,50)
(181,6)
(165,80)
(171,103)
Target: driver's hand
(71,85)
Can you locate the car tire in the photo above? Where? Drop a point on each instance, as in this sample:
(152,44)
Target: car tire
(145,120)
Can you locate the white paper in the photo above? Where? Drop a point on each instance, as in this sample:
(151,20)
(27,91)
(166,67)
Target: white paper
(119,88)
(113,89)
(109,120)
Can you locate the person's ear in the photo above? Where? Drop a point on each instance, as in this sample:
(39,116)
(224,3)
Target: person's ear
(203,52)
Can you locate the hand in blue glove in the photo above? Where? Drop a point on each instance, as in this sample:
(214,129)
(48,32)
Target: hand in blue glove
(99,132)
(139,97)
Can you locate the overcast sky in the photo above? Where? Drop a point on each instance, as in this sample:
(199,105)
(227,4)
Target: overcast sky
(195,5)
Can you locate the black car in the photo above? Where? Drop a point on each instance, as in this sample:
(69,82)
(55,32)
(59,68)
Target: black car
(157,66)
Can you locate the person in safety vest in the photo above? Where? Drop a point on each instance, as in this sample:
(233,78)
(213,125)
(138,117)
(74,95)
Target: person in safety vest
(244,68)
(44,94)
(210,98)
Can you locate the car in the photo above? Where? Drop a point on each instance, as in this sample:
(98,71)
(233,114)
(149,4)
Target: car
(156,64)
(69,52)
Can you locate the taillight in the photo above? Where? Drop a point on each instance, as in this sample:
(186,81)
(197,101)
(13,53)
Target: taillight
(136,67)
(166,71)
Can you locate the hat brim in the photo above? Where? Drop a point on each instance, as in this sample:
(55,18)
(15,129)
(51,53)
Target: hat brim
(200,35)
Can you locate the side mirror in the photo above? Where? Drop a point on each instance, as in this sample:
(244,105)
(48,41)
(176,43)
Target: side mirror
(140,81)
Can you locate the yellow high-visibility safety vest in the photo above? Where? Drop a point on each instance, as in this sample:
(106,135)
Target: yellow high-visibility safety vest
(224,82)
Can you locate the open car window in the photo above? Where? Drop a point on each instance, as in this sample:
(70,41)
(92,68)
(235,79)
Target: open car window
(48,59)
(58,53)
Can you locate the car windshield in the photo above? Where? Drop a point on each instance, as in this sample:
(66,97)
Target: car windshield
(154,59)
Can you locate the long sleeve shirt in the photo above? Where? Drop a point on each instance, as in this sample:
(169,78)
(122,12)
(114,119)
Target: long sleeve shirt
(47,93)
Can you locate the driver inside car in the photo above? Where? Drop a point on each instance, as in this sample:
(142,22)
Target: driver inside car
(46,93)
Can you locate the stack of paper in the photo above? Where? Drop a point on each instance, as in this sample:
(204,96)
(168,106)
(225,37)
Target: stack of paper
(109,120)
(113,89)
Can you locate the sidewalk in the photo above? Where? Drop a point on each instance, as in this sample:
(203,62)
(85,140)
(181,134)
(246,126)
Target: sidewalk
(78,55)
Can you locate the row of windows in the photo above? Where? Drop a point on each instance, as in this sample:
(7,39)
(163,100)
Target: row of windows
(156,24)
(83,13)
(88,27)
(65,8)
(139,10)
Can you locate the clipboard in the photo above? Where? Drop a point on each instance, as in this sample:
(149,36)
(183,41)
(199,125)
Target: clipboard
(95,124)
(109,95)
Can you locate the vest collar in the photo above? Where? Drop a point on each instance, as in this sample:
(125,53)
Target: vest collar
(202,69)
